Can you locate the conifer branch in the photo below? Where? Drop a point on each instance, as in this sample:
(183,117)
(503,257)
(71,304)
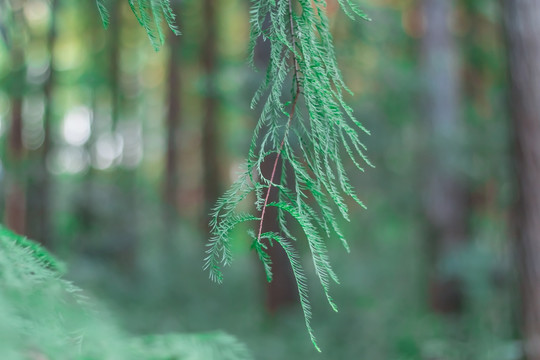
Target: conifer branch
(301,45)
(150,15)
(293,108)
(296,67)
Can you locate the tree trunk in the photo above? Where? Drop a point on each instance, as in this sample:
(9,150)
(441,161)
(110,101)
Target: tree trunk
(445,197)
(38,207)
(170,190)
(15,211)
(210,140)
(114,61)
(522,20)
(282,290)
(127,232)
(15,206)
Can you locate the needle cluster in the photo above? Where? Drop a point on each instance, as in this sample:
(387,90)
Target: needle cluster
(311,129)
(151,15)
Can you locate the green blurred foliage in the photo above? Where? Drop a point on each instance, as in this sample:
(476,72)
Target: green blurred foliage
(106,190)
(46,317)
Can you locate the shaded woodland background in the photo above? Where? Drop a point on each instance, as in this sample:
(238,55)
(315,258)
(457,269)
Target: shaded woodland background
(113,155)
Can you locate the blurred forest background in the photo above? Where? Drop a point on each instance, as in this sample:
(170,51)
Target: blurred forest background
(112,155)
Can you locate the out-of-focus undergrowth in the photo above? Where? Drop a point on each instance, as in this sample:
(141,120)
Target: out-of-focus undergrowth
(44,316)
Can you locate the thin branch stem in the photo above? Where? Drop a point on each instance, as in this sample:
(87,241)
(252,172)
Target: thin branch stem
(296,67)
(293,108)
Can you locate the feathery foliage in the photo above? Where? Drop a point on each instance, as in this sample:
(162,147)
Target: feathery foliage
(311,130)
(43,316)
(150,14)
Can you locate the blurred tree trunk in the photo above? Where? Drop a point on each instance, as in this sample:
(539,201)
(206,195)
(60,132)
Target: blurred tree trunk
(85,207)
(445,201)
(15,206)
(39,190)
(522,20)
(15,211)
(210,140)
(170,191)
(282,290)
(114,61)
(127,231)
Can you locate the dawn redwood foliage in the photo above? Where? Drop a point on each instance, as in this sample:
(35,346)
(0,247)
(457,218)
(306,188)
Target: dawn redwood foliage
(305,124)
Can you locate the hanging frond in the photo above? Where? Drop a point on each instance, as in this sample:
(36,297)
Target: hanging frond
(150,14)
(260,248)
(307,126)
(299,276)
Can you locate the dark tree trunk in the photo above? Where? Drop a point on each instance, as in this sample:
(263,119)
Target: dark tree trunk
(15,211)
(170,190)
(210,140)
(445,196)
(282,290)
(522,20)
(127,192)
(15,206)
(85,208)
(39,208)
(114,61)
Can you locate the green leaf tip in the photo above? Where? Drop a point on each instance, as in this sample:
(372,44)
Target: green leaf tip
(103,13)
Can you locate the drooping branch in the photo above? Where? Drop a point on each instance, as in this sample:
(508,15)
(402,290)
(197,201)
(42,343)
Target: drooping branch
(291,115)
(309,143)
(150,14)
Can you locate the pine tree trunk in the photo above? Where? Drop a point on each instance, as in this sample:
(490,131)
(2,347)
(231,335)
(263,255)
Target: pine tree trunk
(210,140)
(522,20)
(445,197)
